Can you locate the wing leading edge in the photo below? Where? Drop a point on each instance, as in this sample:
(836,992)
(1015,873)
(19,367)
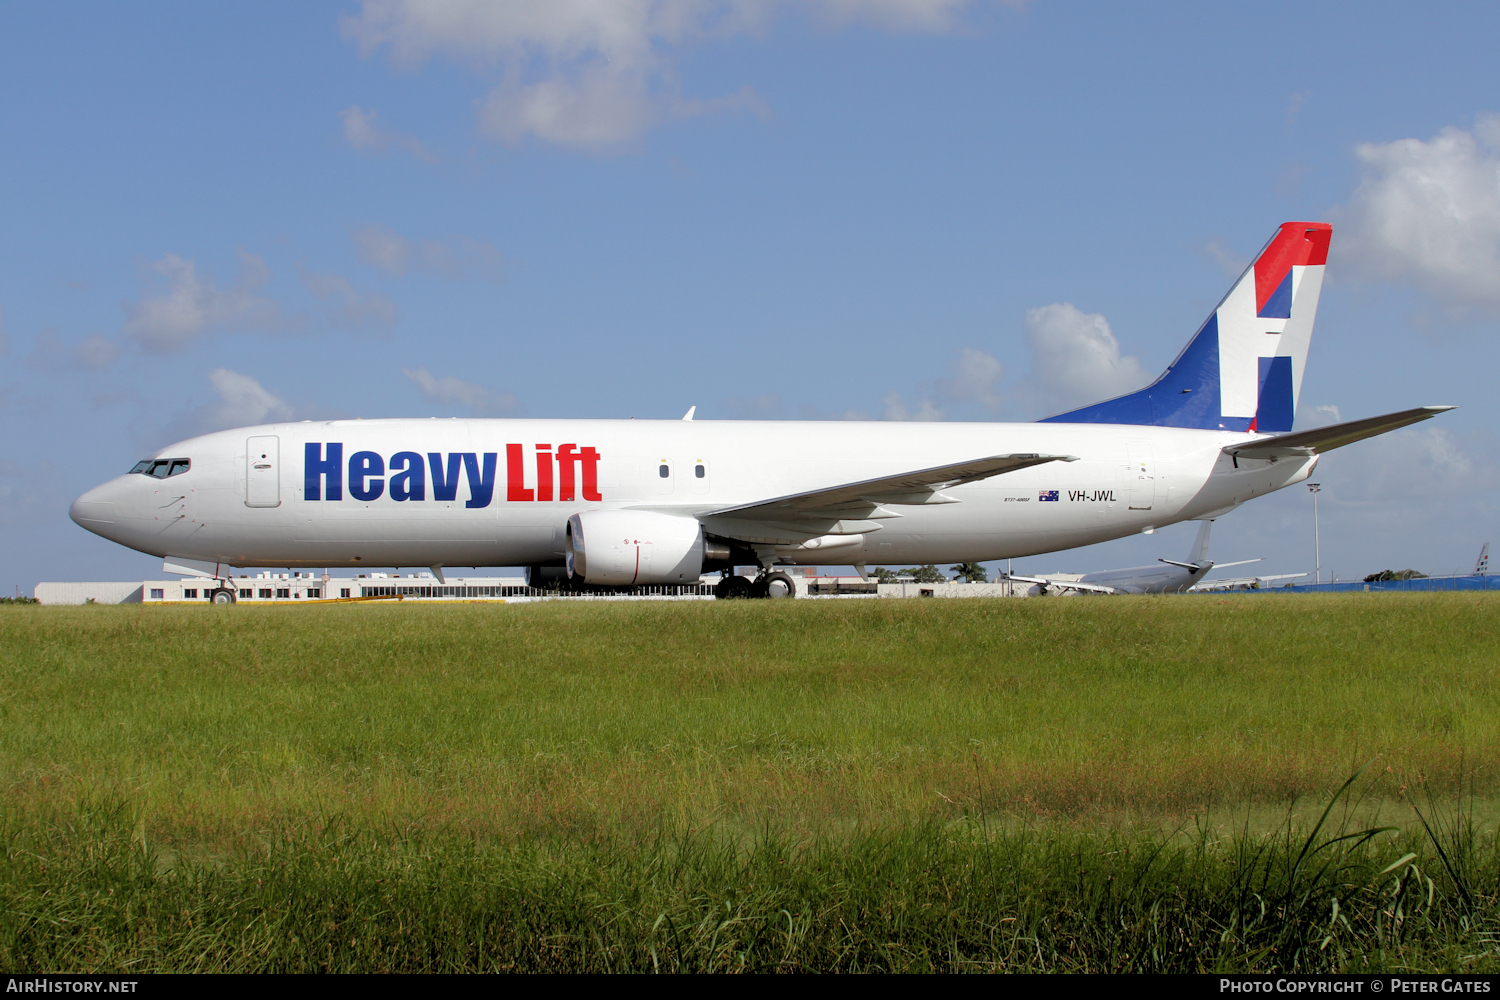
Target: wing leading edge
(922,486)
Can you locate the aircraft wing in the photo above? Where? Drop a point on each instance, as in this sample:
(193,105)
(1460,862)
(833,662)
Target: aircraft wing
(859,500)
(1093,588)
(1243,581)
(1320,439)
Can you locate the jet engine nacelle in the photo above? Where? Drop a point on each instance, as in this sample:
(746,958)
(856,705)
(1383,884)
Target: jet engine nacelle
(627,547)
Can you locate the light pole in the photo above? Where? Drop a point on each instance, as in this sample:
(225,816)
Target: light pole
(1315,489)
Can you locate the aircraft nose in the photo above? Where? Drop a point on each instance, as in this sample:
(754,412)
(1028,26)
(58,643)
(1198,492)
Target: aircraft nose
(95,510)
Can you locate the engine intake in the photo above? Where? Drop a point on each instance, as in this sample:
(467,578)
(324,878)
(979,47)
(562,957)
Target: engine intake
(623,548)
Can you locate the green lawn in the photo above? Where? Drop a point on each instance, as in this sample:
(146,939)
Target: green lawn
(811,712)
(610,738)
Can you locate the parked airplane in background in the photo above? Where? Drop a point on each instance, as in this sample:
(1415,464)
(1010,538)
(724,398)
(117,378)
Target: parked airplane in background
(624,502)
(1172,577)
(1482,564)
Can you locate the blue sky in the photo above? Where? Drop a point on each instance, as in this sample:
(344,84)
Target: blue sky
(908,209)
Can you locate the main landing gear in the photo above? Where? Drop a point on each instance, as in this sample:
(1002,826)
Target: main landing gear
(775,585)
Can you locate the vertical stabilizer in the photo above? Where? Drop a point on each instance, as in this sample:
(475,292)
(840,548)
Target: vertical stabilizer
(1199,555)
(1242,371)
(1482,565)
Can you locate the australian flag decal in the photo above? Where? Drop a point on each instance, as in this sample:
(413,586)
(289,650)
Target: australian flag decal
(1047,495)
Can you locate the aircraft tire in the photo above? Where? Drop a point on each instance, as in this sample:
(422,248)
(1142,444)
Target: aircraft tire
(760,587)
(733,588)
(222,596)
(779,585)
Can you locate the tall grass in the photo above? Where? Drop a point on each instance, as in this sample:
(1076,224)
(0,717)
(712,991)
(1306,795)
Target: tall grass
(91,892)
(1130,784)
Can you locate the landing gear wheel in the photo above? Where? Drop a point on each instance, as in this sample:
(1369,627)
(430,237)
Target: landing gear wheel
(221,596)
(780,585)
(732,588)
(760,587)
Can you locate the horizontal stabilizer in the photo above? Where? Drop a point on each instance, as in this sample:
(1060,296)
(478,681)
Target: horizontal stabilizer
(1321,439)
(1240,562)
(917,487)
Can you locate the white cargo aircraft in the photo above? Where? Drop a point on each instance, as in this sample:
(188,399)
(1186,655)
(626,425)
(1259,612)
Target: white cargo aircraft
(1174,576)
(629,502)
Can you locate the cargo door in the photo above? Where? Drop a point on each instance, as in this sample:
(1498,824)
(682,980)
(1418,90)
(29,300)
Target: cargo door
(1140,476)
(263,472)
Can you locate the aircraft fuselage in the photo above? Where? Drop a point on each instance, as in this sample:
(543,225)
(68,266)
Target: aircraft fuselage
(457,492)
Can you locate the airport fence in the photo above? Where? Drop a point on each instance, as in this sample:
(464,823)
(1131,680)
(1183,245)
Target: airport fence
(1359,586)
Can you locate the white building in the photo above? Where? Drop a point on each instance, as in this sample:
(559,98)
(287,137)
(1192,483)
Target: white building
(276,588)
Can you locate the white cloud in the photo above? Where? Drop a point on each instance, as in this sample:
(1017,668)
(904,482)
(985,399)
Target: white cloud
(975,379)
(764,407)
(1318,416)
(383,248)
(1427,214)
(242,402)
(894,15)
(1229,262)
(1075,360)
(1412,467)
(593,74)
(361,132)
(450,391)
(1294,105)
(896,409)
(53,354)
(351,308)
(193,304)
(596,108)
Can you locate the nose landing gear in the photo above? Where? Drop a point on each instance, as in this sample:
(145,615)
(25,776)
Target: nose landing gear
(779,585)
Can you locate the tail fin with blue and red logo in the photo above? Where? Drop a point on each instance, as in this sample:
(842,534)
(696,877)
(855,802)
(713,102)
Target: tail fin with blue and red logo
(1242,371)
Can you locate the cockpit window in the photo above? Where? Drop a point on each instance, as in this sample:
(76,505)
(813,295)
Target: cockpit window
(161,468)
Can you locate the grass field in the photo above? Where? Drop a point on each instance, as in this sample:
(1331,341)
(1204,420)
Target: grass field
(1059,784)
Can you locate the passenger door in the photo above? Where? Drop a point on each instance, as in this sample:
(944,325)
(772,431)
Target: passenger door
(263,472)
